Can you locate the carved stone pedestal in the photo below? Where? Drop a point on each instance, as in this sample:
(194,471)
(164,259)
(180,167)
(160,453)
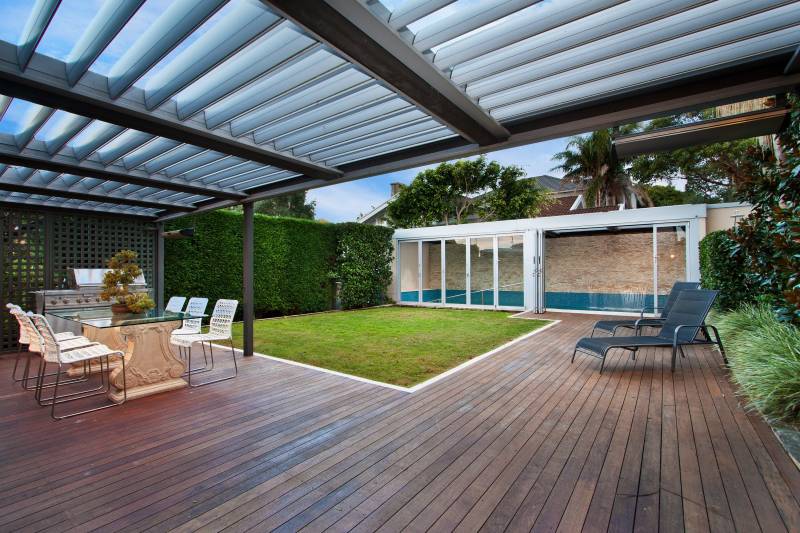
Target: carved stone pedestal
(150,364)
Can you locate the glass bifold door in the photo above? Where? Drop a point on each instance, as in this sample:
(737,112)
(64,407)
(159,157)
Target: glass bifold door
(485,272)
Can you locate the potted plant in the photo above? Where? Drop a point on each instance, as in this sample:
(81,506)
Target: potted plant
(123,270)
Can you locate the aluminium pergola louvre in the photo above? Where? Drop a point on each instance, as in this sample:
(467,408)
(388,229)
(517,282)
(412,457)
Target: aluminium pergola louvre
(214,103)
(221,102)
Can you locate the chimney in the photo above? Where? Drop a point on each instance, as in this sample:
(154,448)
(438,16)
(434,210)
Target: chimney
(395,188)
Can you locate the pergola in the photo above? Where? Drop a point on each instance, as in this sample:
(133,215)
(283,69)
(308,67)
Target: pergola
(222,103)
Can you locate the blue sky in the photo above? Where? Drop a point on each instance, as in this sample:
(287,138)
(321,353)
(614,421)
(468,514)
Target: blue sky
(336,203)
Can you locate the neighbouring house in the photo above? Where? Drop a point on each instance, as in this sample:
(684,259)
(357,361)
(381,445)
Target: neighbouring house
(568,200)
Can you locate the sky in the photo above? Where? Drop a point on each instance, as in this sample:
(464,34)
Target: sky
(343,202)
(346,201)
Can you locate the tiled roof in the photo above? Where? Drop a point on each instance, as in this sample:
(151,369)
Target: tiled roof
(561,207)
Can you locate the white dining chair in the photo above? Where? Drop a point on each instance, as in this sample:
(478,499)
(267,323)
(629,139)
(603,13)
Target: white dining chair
(175,304)
(29,338)
(190,326)
(53,353)
(219,330)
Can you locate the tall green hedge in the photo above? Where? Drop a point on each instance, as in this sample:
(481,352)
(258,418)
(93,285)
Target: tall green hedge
(295,262)
(722,270)
(363,263)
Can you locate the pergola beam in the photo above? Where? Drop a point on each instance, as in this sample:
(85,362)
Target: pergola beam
(66,165)
(351,29)
(696,92)
(44,83)
(62,192)
(49,205)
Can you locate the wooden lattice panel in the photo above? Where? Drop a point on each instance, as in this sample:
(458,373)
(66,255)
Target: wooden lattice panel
(88,242)
(23,261)
(39,247)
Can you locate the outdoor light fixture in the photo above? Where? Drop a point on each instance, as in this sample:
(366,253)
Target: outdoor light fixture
(186,233)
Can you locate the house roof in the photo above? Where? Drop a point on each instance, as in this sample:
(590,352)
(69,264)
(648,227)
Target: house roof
(554,184)
(206,104)
(561,206)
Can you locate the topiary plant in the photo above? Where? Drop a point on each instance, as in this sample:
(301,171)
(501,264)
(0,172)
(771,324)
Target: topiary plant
(122,272)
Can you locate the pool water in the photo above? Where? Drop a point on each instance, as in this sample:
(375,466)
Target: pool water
(578,301)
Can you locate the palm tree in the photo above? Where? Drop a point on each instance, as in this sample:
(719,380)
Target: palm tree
(588,162)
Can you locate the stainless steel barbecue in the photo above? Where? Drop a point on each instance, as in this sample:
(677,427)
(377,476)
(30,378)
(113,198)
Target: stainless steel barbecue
(85,286)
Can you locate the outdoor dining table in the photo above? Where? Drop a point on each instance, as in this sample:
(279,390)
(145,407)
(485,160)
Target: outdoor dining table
(151,365)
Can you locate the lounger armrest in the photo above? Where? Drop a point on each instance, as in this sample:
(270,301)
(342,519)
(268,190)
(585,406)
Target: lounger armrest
(648,308)
(637,325)
(680,326)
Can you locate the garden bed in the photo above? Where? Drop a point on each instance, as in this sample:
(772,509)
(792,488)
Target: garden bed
(397,345)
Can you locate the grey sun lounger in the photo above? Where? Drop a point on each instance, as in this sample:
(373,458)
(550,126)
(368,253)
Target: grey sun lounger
(611,326)
(681,327)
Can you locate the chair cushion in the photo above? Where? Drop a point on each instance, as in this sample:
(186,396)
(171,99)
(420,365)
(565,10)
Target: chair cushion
(600,345)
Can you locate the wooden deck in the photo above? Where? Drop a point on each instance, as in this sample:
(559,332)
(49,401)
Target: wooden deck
(522,440)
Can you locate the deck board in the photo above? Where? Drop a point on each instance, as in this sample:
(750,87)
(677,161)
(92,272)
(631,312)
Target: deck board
(520,441)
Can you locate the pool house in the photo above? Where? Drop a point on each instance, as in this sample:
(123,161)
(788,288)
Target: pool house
(616,261)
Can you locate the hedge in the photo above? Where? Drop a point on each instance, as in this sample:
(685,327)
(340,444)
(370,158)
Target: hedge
(295,262)
(363,264)
(720,269)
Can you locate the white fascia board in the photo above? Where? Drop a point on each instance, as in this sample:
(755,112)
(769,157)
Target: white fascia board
(724,205)
(628,217)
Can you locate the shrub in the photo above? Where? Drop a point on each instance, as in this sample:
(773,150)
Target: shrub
(363,264)
(294,262)
(293,259)
(722,270)
(764,358)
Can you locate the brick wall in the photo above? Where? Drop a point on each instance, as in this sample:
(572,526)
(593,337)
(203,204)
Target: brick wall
(482,258)
(613,262)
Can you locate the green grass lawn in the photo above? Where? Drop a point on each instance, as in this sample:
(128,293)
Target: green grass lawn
(399,345)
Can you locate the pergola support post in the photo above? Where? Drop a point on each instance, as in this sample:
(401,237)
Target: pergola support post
(247,277)
(159,267)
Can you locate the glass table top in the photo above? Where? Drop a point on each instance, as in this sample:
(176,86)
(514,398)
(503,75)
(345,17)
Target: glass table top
(102,317)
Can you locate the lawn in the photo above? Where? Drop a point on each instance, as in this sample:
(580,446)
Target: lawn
(399,345)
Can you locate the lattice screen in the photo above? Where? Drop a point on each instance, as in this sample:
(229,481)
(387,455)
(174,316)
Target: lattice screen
(23,260)
(37,246)
(88,242)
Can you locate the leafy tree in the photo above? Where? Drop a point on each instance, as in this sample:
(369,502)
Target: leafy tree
(451,191)
(588,161)
(662,195)
(513,197)
(713,171)
(769,238)
(292,204)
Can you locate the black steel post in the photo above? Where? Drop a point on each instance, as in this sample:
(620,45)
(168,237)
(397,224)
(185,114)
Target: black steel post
(247,276)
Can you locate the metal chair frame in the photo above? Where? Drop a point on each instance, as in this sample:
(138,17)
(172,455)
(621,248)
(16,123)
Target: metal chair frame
(52,353)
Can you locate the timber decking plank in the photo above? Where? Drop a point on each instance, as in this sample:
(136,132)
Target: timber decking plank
(521,440)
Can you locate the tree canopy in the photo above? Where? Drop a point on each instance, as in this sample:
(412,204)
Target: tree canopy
(450,192)
(293,204)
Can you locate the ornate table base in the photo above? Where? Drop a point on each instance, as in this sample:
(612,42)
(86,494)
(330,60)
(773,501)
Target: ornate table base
(111,337)
(150,364)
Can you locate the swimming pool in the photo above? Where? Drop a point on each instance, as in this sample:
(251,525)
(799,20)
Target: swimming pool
(577,301)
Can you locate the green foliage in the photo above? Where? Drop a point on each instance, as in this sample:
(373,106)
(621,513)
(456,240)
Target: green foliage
(662,195)
(294,260)
(712,171)
(722,269)
(764,358)
(512,198)
(768,240)
(452,191)
(123,271)
(363,263)
(588,162)
(292,204)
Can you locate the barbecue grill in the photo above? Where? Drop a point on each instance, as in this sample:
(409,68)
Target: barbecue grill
(85,286)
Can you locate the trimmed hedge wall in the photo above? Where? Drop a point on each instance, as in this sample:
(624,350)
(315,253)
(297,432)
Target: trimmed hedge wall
(295,262)
(363,263)
(720,269)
